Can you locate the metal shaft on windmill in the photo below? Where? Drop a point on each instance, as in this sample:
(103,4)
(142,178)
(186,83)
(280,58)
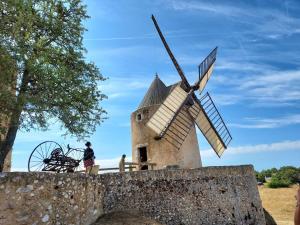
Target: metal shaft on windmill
(178,68)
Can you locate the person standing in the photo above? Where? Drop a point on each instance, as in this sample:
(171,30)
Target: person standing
(122,163)
(88,157)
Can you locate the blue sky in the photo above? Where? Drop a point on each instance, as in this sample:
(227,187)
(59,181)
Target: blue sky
(255,84)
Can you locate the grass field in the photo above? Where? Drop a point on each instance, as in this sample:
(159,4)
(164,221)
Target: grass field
(280,203)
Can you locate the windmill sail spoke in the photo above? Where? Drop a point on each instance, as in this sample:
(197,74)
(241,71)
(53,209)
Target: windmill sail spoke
(181,126)
(179,129)
(209,133)
(167,112)
(211,124)
(174,134)
(180,133)
(184,119)
(172,141)
(178,68)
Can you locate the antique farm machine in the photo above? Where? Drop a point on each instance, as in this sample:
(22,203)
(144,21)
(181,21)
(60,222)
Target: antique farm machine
(49,156)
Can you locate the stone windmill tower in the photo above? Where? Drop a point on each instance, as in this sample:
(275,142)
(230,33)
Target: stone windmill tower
(163,152)
(163,127)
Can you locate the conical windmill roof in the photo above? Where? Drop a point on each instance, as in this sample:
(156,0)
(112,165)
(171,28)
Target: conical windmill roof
(156,93)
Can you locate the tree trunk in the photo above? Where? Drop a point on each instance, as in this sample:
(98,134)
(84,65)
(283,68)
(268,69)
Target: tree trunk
(8,142)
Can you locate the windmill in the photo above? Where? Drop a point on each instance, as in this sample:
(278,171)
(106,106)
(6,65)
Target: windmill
(178,110)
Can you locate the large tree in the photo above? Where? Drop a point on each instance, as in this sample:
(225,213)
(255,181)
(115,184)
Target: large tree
(43,71)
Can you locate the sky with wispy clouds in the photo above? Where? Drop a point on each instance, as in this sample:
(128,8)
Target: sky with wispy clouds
(255,84)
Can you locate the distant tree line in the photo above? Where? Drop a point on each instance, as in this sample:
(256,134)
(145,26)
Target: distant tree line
(283,177)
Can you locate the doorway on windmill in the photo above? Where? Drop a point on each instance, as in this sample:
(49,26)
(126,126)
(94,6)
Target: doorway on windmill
(143,157)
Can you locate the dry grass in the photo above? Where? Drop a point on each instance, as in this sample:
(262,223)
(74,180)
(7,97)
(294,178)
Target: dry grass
(280,203)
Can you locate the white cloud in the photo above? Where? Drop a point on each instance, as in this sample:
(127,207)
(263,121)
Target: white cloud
(272,78)
(207,6)
(263,89)
(128,51)
(268,122)
(110,163)
(17,169)
(179,33)
(241,66)
(124,86)
(226,99)
(268,22)
(121,38)
(274,87)
(249,149)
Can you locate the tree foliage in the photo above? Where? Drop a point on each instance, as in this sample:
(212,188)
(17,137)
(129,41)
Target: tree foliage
(289,173)
(44,73)
(260,176)
(277,182)
(283,177)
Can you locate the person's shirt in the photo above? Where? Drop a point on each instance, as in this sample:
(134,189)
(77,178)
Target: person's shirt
(88,154)
(122,165)
(122,161)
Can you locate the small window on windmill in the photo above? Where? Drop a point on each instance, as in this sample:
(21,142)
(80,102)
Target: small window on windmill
(139,117)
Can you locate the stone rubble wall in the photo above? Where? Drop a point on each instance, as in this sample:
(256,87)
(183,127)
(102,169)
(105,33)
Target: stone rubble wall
(47,198)
(209,195)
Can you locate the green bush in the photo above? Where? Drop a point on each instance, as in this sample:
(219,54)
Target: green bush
(277,182)
(289,173)
(283,177)
(260,176)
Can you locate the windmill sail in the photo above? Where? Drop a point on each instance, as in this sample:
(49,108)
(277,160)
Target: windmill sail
(173,121)
(205,69)
(211,124)
(178,68)
(168,111)
(179,129)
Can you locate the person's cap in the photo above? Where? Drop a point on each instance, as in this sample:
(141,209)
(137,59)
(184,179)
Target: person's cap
(123,155)
(88,144)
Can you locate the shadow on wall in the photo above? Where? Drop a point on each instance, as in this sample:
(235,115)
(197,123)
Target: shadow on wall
(135,218)
(125,218)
